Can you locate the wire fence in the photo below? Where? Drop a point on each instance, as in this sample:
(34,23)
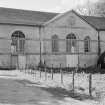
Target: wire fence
(72,80)
(63,75)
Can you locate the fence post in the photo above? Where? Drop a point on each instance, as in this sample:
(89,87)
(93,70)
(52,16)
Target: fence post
(52,71)
(68,68)
(61,74)
(77,68)
(31,71)
(90,84)
(35,73)
(45,72)
(73,80)
(28,71)
(25,70)
(40,72)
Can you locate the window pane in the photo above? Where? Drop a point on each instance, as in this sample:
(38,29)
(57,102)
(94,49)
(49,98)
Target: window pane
(55,43)
(21,45)
(68,45)
(18,41)
(70,42)
(87,44)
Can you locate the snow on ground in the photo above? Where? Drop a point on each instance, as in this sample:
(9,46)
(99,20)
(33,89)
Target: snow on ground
(81,83)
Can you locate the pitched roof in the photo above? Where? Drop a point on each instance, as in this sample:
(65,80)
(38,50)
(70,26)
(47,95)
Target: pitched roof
(96,22)
(28,17)
(18,16)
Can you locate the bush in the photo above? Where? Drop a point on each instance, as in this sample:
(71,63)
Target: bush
(7,68)
(90,69)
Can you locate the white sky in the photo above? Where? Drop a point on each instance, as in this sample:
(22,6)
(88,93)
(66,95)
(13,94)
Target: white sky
(43,5)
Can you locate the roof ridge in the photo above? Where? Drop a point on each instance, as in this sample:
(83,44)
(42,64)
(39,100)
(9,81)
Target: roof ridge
(92,16)
(34,17)
(26,10)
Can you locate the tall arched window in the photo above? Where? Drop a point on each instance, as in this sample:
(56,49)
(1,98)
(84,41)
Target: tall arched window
(87,44)
(70,42)
(18,41)
(55,46)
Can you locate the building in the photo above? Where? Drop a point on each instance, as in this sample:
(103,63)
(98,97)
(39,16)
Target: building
(69,39)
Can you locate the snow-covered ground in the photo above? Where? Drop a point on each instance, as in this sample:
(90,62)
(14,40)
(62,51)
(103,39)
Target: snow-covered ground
(81,84)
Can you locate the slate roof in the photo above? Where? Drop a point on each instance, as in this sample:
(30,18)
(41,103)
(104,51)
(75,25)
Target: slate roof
(25,17)
(28,17)
(96,22)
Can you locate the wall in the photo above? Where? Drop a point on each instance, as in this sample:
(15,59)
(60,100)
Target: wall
(32,48)
(102,38)
(62,27)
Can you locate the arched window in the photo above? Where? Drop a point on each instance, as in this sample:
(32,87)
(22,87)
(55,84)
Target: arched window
(18,41)
(70,42)
(87,44)
(55,46)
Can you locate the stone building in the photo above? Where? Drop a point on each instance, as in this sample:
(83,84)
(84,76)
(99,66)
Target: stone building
(69,39)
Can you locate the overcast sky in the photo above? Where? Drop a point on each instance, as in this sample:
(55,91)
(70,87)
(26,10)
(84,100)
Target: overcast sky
(43,5)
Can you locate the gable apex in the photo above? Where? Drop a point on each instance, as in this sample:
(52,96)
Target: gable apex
(58,17)
(98,23)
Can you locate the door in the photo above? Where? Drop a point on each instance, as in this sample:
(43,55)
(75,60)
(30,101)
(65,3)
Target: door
(72,59)
(22,61)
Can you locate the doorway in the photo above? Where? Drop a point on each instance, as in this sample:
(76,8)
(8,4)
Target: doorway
(72,59)
(18,50)
(22,61)
(71,45)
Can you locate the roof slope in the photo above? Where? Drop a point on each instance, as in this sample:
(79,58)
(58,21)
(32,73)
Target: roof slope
(17,16)
(97,22)
(26,17)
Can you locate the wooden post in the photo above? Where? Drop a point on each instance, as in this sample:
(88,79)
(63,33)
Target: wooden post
(35,73)
(77,68)
(28,71)
(68,68)
(52,71)
(45,72)
(73,80)
(31,71)
(90,84)
(61,74)
(25,70)
(40,72)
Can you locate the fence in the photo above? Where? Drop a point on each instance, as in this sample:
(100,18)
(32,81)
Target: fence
(67,79)
(62,75)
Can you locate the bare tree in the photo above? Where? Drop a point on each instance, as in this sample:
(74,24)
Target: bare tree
(86,9)
(100,8)
(92,9)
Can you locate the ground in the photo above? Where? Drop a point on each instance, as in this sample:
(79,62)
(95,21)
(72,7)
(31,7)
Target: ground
(15,90)
(28,88)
